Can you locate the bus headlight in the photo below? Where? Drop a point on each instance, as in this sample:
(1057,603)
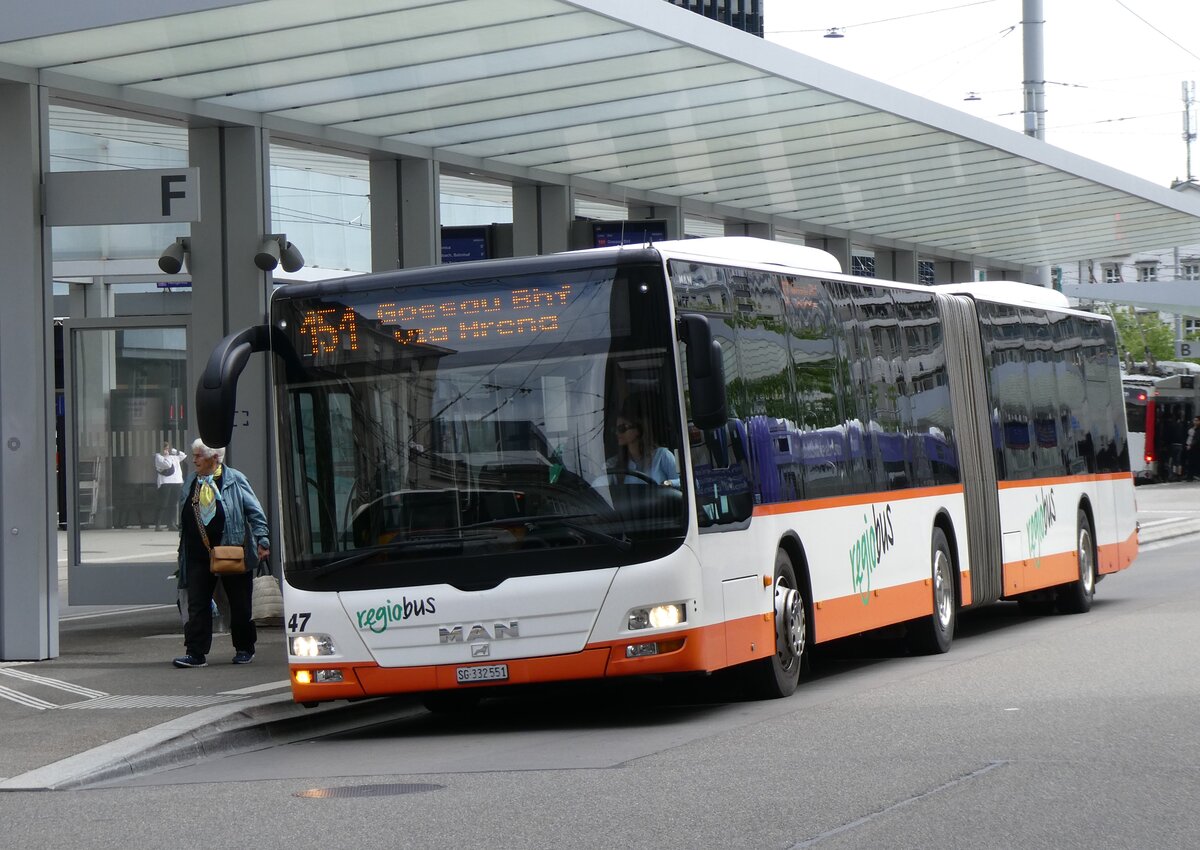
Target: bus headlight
(658,616)
(310,646)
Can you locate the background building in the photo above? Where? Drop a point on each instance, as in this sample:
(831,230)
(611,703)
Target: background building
(744,14)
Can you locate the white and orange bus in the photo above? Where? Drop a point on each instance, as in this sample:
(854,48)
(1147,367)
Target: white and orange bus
(674,458)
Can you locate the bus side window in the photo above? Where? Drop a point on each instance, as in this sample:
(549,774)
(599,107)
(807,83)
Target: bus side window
(720,472)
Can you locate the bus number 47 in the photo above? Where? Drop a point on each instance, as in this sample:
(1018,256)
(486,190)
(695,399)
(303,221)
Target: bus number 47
(299,621)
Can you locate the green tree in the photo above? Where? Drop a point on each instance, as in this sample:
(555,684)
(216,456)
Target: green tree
(1137,332)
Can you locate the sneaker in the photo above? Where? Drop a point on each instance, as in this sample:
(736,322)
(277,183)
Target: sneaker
(243,658)
(190,661)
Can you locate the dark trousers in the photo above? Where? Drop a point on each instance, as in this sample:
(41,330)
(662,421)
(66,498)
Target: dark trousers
(168,503)
(197,633)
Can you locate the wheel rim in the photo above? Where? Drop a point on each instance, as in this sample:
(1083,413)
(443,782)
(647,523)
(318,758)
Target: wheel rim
(789,624)
(1087,574)
(943,589)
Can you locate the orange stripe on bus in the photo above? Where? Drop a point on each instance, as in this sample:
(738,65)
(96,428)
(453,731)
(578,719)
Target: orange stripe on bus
(1039,573)
(1112,557)
(857,499)
(850,615)
(1063,567)
(1065,479)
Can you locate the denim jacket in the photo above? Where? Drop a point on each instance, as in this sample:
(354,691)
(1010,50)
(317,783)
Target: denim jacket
(242,509)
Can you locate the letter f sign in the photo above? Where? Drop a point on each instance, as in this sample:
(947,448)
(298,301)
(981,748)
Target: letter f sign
(168,193)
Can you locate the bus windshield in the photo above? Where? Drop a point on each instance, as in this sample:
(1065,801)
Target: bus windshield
(469,430)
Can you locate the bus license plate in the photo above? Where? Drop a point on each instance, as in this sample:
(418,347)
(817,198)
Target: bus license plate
(482,673)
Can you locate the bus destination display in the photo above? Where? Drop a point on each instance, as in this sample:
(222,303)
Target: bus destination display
(477,321)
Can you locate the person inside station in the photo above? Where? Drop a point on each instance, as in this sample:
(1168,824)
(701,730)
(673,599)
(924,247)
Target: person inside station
(168,464)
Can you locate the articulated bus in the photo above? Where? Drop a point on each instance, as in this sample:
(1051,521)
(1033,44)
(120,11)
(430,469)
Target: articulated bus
(671,459)
(1159,410)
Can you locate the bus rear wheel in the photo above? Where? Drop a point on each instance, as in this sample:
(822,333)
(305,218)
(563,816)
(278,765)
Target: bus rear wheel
(1076,597)
(778,676)
(933,635)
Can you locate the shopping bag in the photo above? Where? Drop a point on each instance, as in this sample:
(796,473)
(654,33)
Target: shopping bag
(266,601)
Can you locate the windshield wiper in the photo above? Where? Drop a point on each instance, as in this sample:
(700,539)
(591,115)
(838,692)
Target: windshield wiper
(394,546)
(550,521)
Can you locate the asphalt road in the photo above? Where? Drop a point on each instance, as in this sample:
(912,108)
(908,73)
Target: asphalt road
(1060,731)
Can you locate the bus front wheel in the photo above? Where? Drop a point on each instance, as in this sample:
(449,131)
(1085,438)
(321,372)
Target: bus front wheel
(1076,597)
(778,675)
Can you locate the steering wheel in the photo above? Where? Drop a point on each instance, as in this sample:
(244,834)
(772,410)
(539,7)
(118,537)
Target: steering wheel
(612,472)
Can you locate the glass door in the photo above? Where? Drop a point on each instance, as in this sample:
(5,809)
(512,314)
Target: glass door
(127,396)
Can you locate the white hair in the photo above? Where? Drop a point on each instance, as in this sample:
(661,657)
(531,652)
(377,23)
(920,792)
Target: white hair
(198,446)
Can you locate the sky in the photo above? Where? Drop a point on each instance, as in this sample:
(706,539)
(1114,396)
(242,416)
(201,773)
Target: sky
(1114,69)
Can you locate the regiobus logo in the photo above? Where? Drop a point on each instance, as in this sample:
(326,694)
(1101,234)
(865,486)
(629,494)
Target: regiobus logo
(379,618)
(1038,526)
(868,551)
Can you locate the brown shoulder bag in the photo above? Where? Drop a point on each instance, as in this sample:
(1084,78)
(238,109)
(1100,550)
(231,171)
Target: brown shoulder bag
(222,560)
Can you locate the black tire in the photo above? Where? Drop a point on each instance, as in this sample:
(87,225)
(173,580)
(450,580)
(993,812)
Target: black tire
(1076,597)
(778,676)
(932,635)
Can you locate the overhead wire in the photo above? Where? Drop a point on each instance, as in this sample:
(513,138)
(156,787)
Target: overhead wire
(1156,29)
(889,20)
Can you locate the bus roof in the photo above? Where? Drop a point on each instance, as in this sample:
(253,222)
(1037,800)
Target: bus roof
(1010,292)
(749,250)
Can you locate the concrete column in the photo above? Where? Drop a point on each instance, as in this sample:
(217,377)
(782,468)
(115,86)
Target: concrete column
(229,292)
(542,217)
(961,272)
(28,491)
(758,229)
(672,215)
(840,248)
(904,266)
(385,215)
(406,230)
(91,300)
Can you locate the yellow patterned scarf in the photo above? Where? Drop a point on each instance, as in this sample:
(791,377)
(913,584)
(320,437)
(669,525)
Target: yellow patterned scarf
(208,495)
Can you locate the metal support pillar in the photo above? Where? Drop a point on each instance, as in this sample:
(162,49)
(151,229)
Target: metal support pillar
(406,217)
(758,229)
(840,248)
(28,492)
(229,292)
(542,217)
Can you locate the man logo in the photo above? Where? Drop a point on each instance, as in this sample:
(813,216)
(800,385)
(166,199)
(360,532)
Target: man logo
(477,632)
(481,650)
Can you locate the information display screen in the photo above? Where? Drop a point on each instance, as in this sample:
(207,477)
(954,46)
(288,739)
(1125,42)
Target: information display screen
(606,234)
(454,317)
(464,244)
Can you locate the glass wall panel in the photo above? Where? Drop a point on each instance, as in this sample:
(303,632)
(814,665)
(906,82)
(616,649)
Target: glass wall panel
(129,397)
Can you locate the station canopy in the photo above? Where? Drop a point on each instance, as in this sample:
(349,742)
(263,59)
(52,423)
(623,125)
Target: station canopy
(638,101)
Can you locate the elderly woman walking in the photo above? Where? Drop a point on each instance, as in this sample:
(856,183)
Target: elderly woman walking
(217,507)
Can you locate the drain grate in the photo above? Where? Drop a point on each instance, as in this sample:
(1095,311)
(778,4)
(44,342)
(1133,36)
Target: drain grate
(389,790)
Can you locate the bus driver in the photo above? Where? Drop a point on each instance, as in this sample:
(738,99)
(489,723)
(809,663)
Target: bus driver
(637,451)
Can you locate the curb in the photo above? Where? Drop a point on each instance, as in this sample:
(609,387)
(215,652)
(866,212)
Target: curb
(216,731)
(1167,529)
